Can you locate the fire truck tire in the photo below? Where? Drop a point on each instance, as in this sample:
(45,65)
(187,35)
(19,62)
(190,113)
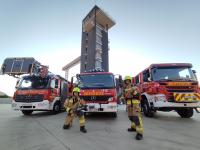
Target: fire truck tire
(146,108)
(114,115)
(56,108)
(27,112)
(185,113)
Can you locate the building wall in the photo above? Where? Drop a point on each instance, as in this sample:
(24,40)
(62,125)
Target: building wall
(89,58)
(88,50)
(105,64)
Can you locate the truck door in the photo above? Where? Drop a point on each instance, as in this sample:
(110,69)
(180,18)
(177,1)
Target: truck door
(54,88)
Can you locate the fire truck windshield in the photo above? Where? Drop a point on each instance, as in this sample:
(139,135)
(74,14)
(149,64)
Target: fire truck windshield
(173,74)
(97,81)
(33,82)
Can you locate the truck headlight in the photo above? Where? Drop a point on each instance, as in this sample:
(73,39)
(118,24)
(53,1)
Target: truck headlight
(112,107)
(110,99)
(160,98)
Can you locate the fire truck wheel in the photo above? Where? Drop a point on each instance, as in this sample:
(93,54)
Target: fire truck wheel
(185,113)
(114,115)
(56,108)
(27,112)
(146,109)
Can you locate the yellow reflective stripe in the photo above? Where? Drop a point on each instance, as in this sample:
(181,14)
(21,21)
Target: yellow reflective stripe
(134,101)
(186,96)
(128,102)
(82,121)
(67,109)
(178,96)
(140,129)
(133,125)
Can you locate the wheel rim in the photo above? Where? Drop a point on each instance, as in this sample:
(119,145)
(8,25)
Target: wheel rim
(145,108)
(56,108)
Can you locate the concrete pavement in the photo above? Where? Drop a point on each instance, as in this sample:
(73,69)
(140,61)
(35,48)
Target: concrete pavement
(43,131)
(5,100)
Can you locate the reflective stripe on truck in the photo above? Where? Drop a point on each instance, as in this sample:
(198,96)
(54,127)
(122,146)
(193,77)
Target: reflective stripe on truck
(186,97)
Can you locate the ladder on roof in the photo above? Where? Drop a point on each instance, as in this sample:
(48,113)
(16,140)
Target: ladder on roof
(16,66)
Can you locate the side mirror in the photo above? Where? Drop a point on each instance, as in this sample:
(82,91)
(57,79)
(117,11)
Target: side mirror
(145,79)
(72,80)
(17,84)
(120,78)
(71,85)
(120,81)
(77,76)
(194,71)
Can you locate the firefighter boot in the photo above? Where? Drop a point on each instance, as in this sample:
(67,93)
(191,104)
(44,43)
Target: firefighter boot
(133,126)
(66,126)
(131,129)
(82,129)
(139,136)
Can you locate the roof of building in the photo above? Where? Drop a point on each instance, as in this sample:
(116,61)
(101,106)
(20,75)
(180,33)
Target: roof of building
(102,17)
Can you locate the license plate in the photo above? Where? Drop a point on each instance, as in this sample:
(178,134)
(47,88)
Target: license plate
(91,107)
(27,105)
(100,109)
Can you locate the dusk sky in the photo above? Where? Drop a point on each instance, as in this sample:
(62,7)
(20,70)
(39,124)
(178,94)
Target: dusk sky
(146,32)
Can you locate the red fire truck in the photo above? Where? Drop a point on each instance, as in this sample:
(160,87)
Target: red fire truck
(167,87)
(99,90)
(37,89)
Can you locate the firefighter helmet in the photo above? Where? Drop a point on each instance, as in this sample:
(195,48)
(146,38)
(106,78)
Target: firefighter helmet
(128,78)
(76,89)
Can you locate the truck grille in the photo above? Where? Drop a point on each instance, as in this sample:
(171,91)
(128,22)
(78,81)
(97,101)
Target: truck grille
(173,89)
(95,98)
(29,98)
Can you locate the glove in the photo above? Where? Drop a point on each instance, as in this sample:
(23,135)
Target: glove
(135,93)
(70,111)
(85,107)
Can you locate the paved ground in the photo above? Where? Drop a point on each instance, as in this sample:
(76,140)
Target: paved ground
(5,100)
(43,131)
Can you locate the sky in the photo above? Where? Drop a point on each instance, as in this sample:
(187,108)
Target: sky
(146,32)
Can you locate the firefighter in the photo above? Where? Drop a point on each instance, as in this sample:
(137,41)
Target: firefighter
(74,107)
(132,97)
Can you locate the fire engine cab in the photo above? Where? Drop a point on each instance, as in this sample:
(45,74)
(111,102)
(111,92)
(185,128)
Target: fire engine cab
(99,90)
(167,87)
(38,89)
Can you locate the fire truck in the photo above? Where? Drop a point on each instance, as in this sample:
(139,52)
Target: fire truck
(167,87)
(99,91)
(37,89)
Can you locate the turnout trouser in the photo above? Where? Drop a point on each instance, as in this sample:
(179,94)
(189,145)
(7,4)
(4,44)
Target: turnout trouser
(70,116)
(135,116)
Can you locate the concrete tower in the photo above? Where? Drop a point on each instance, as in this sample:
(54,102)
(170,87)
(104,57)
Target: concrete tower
(94,46)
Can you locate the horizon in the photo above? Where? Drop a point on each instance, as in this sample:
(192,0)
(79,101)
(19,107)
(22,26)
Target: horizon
(146,33)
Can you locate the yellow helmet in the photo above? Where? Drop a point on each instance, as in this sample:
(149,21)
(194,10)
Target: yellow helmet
(128,78)
(76,89)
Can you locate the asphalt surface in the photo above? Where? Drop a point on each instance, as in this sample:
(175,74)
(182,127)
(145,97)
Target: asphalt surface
(43,131)
(5,100)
